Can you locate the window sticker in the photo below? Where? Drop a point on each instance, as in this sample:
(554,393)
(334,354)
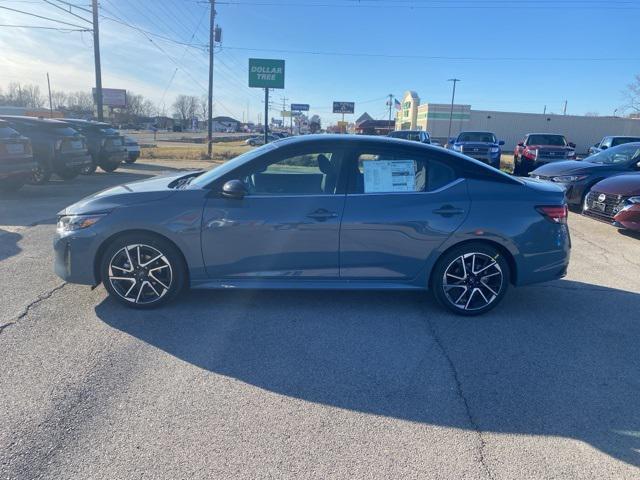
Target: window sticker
(389,176)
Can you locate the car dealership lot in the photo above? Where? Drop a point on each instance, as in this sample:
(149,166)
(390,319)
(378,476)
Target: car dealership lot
(314,384)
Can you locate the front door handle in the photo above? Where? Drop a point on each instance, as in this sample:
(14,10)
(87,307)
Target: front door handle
(322,214)
(448,211)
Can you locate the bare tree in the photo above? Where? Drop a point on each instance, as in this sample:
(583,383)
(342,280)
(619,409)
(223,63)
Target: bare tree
(203,108)
(80,103)
(58,99)
(185,107)
(632,95)
(19,95)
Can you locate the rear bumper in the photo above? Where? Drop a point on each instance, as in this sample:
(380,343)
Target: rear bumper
(20,166)
(72,160)
(113,156)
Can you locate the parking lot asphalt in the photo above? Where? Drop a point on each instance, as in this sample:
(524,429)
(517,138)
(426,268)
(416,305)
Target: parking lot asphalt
(314,384)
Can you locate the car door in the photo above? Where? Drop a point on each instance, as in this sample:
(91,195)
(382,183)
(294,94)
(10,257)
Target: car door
(401,205)
(287,225)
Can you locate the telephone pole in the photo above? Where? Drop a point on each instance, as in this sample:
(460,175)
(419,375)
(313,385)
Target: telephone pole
(564,111)
(50,102)
(390,105)
(284,109)
(453,98)
(212,18)
(96,58)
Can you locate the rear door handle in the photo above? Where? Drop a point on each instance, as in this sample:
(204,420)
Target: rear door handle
(448,211)
(322,215)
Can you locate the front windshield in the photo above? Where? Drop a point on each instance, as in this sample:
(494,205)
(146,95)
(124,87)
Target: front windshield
(617,155)
(484,137)
(555,140)
(216,172)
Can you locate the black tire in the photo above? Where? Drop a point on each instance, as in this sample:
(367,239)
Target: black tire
(476,290)
(109,167)
(143,296)
(68,173)
(89,169)
(516,166)
(252,143)
(41,174)
(131,159)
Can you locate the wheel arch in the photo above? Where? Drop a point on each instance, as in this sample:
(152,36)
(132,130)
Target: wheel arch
(511,262)
(97,261)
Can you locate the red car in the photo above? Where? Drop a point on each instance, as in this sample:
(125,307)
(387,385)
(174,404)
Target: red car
(617,200)
(538,149)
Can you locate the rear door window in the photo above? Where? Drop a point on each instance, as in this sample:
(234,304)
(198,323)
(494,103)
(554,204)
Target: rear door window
(396,172)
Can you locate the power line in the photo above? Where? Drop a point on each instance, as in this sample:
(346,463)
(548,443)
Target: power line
(67,11)
(73,5)
(59,29)
(42,17)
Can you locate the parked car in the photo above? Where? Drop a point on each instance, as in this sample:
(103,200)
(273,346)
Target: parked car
(617,200)
(539,149)
(483,146)
(16,159)
(133,149)
(259,140)
(611,141)
(57,148)
(578,177)
(413,135)
(321,211)
(105,144)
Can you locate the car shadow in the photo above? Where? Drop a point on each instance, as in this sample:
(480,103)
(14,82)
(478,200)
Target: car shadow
(559,359)
(9,244)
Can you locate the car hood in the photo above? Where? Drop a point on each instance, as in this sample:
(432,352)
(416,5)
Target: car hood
(141,191)
(626,185)
(570,167)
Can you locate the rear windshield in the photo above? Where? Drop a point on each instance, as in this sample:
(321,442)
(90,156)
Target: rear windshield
(7,132)
(484,137)
(622,140)
(617,155)
(407,135)
(556,140)
(109,131)
(60,129)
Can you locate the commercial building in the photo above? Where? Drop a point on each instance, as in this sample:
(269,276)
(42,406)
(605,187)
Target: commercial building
(508,126)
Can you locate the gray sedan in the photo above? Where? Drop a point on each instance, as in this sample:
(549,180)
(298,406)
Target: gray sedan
(321,212)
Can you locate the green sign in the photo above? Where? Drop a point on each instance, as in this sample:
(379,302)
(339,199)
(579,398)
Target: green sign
(266,73)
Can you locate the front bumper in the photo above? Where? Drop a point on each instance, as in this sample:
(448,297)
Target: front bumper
(20,166)
(71,251)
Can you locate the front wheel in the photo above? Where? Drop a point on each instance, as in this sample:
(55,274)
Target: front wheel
(41,174)
(109,167)
(143,271)
(89,169)
(470,279)
(67,173)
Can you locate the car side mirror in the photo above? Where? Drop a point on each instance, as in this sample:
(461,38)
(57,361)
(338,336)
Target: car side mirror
(501,142)
(521,144)
(572,145)
(234,189)
(603,147)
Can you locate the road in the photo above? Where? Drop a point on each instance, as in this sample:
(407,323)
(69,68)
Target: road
(315,384)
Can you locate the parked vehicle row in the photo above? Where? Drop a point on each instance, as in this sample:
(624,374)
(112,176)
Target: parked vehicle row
(64,147)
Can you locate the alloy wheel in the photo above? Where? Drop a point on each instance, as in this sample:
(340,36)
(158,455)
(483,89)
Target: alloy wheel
(140,274)
(472,281)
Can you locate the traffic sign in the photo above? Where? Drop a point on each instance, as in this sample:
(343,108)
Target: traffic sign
(343,107)
(300,107)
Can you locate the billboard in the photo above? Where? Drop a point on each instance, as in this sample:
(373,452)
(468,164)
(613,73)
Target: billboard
(343,107)
(113,97)
(300,107)
(266,73)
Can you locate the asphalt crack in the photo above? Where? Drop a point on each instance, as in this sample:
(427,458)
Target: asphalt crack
(25,311)
(460,392)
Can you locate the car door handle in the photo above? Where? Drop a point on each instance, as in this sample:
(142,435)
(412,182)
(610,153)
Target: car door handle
(322,215)
(448,211)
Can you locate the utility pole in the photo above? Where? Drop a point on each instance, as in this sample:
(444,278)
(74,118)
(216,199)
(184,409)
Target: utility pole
(544,112)
(212,17)
(390,105)
(284,108)
(266,116)
(453,98)
(50,102)
(96,58)
(564,112)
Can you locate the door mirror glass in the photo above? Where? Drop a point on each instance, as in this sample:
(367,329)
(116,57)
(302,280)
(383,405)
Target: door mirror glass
(521,144)
(572,145)
(501,142)
(603,147)
(234,189)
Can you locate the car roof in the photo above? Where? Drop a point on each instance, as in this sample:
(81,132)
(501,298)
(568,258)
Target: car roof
(476,131)
(547,133)
(353,140)
(89,123)
(24,118)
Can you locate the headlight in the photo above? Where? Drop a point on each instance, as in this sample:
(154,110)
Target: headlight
(69,223)
(571,153)
(568,178)
(494,149)
(457,148)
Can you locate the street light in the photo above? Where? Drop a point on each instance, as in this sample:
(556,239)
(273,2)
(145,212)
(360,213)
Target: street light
(453,97)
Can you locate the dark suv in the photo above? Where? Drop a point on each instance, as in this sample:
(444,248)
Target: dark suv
(106,145)
(483,146)
(57,148)
(16,159)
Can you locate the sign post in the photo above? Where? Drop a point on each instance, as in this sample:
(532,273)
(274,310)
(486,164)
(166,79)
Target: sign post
(266,73)
(343,107)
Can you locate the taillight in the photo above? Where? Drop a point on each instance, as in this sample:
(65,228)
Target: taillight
(554,213)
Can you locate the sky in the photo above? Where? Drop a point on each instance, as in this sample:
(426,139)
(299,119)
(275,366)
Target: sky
(510,55)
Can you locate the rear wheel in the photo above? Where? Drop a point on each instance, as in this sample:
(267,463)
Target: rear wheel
(143,271)
(470,279)
(41,174)
(131,159)
(89,169)
(68,173)
(109,166)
